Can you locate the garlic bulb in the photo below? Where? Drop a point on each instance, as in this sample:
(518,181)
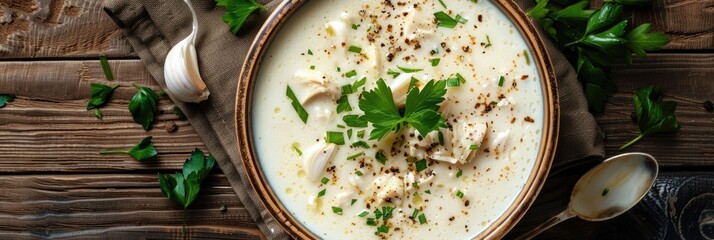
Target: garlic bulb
(183,80)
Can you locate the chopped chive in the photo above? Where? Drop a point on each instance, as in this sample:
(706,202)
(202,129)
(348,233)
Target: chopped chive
(295,147)
(309,52)
(351,74)
(337,210)
(335,137)
(339,69)
(427,191)
(410,70)
(460,194)
(605,191)
(346,89)
(442,3)
(501,80)
(416,194)
(296,105)
(435,61)
(444,20)
(355,49)
(324,180)
(393,73)
(488,41)
(322,192)
(420,165)
(312,67)
(528,59)
(473,146)
(340,126)
(355,26)
(349,133)
(361,144)
(98,113)
(343,104)
(461,78)
(453,82)
(415,185)
(415,213)
(360,133)
(380,157)
(359,173)
(461,19)
(356,155)
(422,219)
(458,174)
(371,222)
(105,67)
(363,214)
(353,202)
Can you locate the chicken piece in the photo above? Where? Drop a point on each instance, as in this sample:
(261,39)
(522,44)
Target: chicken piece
(418,24)
(467,138)
(388,189)
(312,85)
(315,159)
(459,144)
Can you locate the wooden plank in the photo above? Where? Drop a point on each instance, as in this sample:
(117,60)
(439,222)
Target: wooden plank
(80,28)
(679,206)
(112,205)
(684,78)
(59,28)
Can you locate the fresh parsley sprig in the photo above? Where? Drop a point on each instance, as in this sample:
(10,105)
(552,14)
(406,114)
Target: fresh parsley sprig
(421,109)
(99,97)
(183,187)
(653,114)
(141,151)
(237,11)
(594,40)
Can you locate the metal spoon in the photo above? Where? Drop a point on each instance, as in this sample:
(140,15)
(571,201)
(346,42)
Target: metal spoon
(607,190)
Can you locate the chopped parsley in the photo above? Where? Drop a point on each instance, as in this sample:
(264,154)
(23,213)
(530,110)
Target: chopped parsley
(382,229)
(355,49)
(442,3)
(355,26)
(337,210)
(353,156)
(361,144)
(312,67)
(351,74)
(360,133)
(353,202)
(420,165)
(473,146)
(309,52)
(322,192)
(324,180)
(501,80)
(363,214)
(296,105)
(380,157)
(343,105)
(435,61)
(335,137)
(459,194)
(422,219)
(355,121)
(458,174)
(359,173)
(444,20)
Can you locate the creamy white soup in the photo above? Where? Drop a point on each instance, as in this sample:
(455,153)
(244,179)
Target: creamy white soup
(344,178)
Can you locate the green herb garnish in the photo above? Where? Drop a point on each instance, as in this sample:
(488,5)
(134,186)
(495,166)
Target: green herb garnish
(363,214)
(141,151)
(501,80)
(435,61)
(415,213)
(335,137)
(296,105)
(353,156)
(355,121)
(353,202)
(420,165)
(343,104)
(309,52)
(444,20)
(420,109)
(459,194)
(324,180)
(360,133)
(354,49)
(143,106)
(488,42)
(458,174)
(106,68)
(653,114)
(605,191)
(6,98)
(100,95)
(322,192)
(361,144)
(97,113)
(422,219)
(237,11)
(183,187)
(473,146)
(380,158)
(410,70)
(337,210)
(355,26)
(351,74)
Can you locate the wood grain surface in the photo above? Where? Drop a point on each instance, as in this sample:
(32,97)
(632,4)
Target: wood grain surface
(54,184)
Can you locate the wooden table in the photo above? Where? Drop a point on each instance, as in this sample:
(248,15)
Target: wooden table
(54,184)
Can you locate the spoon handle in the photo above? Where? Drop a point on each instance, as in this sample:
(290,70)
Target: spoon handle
(564,215)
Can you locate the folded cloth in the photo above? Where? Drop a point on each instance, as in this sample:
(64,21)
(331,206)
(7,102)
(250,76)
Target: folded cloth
(153,27)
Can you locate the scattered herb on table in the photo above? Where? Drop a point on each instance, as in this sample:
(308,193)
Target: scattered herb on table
(653,114)
(98,114)
(183,187)
(105,67)
(595,39)
(99,96)
(141,151)
(143,106)
(179,113)
(421,109)
(237,11)
(5,98)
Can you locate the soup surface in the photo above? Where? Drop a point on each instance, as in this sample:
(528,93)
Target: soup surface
(339,176)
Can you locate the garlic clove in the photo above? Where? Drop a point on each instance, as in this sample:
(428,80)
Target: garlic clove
(316,157)
(183,79)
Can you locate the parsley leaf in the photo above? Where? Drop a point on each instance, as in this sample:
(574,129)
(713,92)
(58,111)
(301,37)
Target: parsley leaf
(653,114)
(100,95)
(237,11)
(641,39)
(420,109)
(355,121)
(143,106)
(141,151)
(183,187)
(5,98)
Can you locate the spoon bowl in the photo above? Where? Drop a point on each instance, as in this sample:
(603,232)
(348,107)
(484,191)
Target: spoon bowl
(607,190)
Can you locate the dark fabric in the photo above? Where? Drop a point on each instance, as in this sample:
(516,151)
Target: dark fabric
(153,27)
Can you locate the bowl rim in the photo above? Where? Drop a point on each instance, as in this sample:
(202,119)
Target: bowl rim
(499,227)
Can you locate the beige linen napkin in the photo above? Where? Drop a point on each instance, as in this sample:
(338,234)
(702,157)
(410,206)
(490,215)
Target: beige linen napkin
(153,27)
